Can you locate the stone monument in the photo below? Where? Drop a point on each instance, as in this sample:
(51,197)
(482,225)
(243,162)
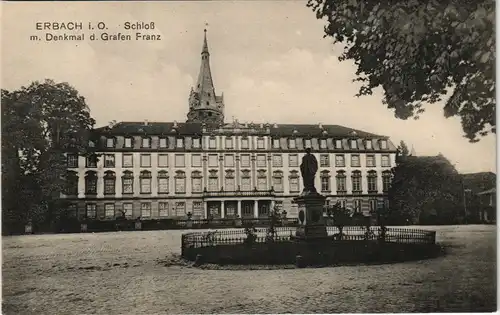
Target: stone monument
(310,202)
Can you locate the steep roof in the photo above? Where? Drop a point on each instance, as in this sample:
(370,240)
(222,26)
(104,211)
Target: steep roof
(478,182)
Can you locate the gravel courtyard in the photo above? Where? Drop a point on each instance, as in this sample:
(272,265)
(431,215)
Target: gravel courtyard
(120,273)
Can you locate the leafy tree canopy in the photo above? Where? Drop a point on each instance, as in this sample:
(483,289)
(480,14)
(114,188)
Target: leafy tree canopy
(418,51)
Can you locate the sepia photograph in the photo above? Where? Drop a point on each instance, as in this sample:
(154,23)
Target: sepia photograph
(248,157)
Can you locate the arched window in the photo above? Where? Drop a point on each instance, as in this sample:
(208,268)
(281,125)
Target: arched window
(145,182)
(278,181)
(109,183)
(71,183)
(213,181)
(294,181)
(341,182)
(91,183)
(261,180)
(162,182)
(372,182)
(356,182)
(386,181)
(325,181)
(180,182)
(128,182)
(196,182)
(229,181)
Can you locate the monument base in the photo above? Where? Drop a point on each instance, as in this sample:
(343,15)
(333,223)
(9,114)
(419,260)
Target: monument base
(311,221)
(310,232)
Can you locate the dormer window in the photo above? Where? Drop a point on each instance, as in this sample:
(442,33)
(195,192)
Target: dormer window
(128,142)
(291,143)
(276,143)
(163,142)
(354,144)
(322,143)
(212,144)
(260,143)
(308,143)
(368,144)
(179,143)
(244,143)
(383,144)
(110,143)
(146,142)
(196,143)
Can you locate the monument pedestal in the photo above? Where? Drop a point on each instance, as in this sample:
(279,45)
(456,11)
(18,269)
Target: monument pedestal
(311,222)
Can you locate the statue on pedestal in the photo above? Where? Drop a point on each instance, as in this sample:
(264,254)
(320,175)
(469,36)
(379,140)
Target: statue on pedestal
(308,170)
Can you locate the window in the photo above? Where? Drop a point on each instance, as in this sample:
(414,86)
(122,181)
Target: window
(370,161)
(354,144)
(92,161)
(277,160)
(127,160)
(212,160)
(244,143)
(213,181)
(307,143)
(196,160)
(72,210)
(162,182)
(229,184)
(261,160)
(196,182)
(291,143)
(278,181)
(127,183)
(179,143)
(71,183)
(109,210)
(342,203)
(246,181)
(127,209)
(368,144)
(146,142)
(145,180)
(383,144)
(356,181)
(196,143)
(91,183)
(128,143)
(72,160)
(212,143)
(109,183)
(324,160)
(261,183)
(229,160)
(386,161)
(109,160)
(180,160)
(163,142)
(229,143)
(110,143)
(260,143)
(145,210)
(276,143)
(355,161)
(293,160)
(162,160)
(338,144)
(91,210)
(294,183)
(245,160)
(339,160)
(373,204)
(325,182)
(357,205)
(197,208)
(180,209)
(341,182)
(145,160)
(386,181)
(322,143)
(163,209)
(372,181)
(180,183)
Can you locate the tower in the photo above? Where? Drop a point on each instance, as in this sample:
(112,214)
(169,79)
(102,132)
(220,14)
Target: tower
(204,105)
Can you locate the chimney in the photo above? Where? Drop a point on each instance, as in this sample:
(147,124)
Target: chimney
(175,123)
(320,126)
(145,122)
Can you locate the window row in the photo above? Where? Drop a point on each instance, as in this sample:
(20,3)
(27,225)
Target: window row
(228,160)
(165,209)
(277,143)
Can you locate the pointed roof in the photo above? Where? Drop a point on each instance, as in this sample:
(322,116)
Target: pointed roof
(205,82)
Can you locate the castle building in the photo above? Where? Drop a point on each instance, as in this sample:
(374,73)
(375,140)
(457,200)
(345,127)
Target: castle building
(212,168)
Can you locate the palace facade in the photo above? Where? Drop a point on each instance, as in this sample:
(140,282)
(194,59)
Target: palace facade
(211,168)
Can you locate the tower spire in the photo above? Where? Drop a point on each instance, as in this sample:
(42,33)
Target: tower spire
(204,105)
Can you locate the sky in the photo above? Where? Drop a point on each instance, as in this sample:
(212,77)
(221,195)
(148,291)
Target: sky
(269,59)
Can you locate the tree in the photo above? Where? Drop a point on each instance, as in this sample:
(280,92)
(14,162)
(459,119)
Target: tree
(425,190)
(40,124)
(418,51)
(340,216)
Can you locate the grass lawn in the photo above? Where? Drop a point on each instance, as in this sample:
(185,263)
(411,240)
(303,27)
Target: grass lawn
(121,273)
